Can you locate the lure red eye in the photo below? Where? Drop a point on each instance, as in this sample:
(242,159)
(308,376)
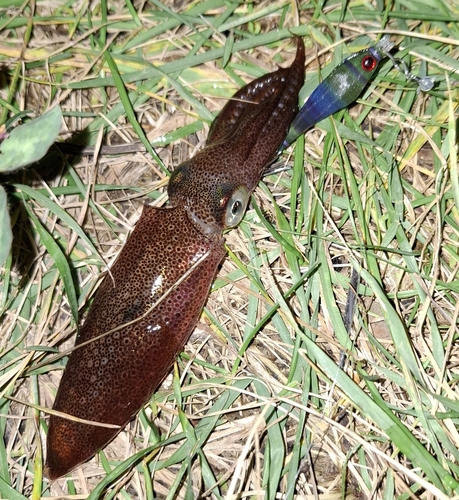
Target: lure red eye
(369,63)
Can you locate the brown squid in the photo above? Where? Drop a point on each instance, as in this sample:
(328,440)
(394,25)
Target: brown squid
(147,307)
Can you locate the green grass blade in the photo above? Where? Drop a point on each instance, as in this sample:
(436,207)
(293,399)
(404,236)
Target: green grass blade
(61,262)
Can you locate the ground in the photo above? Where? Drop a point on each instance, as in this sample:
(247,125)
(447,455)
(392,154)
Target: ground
(276,395)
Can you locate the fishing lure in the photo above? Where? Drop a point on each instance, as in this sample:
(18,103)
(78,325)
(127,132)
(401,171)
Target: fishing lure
(146,309)
(341,88)
(344,85)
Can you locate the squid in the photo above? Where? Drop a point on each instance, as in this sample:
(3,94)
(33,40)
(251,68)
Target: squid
(148,305)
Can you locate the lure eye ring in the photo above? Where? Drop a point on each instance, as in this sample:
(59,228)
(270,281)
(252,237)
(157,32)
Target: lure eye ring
(369,63)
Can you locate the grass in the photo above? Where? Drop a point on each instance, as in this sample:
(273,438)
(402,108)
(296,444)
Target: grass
(257,406)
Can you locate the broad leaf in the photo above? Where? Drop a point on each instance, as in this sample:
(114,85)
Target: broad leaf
(6,236)
(28,143)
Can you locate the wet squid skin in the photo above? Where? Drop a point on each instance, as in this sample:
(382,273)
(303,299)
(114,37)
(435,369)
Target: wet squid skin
(161,279)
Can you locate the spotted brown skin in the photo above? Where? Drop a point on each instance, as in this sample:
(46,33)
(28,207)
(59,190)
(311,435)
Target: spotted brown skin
(147,307)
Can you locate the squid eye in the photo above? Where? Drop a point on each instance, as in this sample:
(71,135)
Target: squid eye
(235,207)
(369,63)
